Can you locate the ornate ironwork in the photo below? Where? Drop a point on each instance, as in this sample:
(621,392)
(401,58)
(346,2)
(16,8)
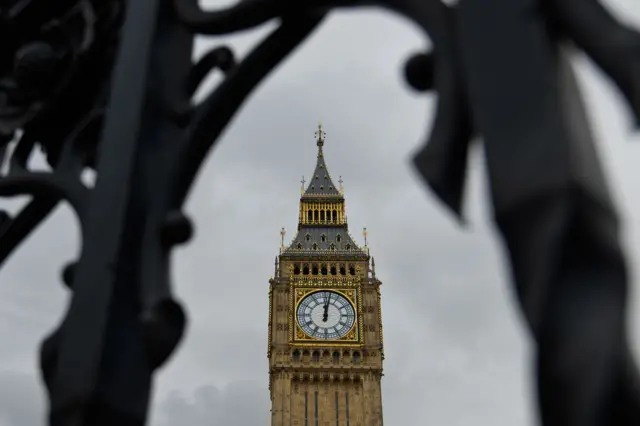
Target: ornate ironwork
(108,85)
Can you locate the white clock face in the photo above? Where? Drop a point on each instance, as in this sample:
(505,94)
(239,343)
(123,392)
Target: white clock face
(325,315)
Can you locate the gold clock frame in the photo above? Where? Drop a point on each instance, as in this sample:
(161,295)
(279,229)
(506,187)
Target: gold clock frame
(301,288)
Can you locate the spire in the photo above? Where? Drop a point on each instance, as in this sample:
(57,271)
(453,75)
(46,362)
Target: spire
(373,267)
(320,182)
(322,224)
(283,232)
(365,234)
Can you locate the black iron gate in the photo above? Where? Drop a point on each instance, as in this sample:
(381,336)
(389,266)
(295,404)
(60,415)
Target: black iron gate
(108,85)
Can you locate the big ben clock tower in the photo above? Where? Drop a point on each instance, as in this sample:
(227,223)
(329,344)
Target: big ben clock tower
(325,331)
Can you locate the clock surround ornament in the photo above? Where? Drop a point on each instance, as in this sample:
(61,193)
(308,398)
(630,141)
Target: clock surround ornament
(325,315)
(301,337)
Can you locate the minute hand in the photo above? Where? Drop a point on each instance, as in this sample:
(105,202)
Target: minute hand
(326,304)
(326,309)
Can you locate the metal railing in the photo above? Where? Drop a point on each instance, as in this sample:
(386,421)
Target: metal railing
(108,85)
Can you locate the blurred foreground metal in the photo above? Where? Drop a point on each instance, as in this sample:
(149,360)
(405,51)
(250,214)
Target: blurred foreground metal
(108,85)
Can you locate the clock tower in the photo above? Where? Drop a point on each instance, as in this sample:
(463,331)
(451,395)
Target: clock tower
(325,329)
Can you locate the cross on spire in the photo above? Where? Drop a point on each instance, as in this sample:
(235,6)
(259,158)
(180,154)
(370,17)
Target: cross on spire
(320,135)
(302,187)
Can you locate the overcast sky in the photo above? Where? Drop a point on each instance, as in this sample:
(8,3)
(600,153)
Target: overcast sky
(456,353)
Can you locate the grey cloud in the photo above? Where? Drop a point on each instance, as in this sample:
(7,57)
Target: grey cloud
(21,401)
(456,351)
(236,404)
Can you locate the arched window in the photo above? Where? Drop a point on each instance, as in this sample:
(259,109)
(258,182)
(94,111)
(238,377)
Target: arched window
(315,215)
(333,270)
(299,246)
(336,356)
(321,215)
(323,238)
(296,268)
(335,215)
(324,269)
(309,215)
(315,246)
(338,238)
(352,270)
(305,269)
(314,269)
(296,355)
(356,357)
(348,247)
(307,237)
(316,356)
(332,247)
(342,270)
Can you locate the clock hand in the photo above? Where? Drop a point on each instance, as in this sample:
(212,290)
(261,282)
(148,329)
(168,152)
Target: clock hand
(325,314)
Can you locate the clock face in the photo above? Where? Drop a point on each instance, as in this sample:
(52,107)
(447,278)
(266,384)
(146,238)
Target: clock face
(325,315)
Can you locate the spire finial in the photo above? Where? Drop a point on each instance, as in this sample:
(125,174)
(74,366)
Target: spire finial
(302,187)
(373,267)
(365,234)
(341,187)
(320,135)
(283,232)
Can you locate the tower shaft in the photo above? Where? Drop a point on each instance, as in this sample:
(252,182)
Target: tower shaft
(325,323)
